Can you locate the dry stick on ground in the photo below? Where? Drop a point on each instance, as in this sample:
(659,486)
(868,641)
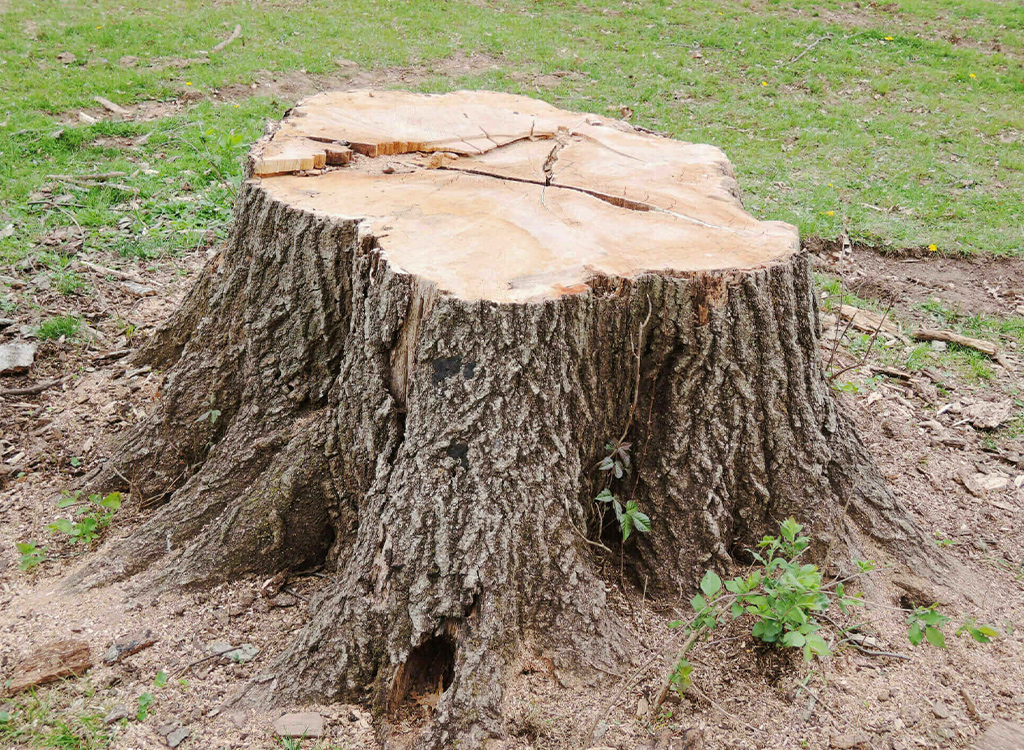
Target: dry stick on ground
(871,344)
(112,272)
(98,177)
(666,684)
(234,35)
(110,106)
(809,47)
(31,390)
(932,334)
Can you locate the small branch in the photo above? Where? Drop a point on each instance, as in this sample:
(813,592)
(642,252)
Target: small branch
(809,47)
(234,35)
(639,348)
(680,654)
(929,334)
(110,106)
(31,390)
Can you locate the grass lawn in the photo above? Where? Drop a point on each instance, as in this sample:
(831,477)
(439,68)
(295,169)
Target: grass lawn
(901,121)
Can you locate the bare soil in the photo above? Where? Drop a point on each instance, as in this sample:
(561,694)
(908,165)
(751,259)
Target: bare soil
(745,696)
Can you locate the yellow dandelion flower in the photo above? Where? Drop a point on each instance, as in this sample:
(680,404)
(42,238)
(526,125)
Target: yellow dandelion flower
(188,83)
(973,76)
(764,83)
(99,27)
(932,248)
(830,184)
(830,213)
(889,38)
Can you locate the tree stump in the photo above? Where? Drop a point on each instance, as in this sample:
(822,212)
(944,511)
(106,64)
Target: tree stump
(434,317)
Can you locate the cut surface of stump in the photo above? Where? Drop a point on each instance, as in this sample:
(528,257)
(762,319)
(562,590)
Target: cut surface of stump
(435,316)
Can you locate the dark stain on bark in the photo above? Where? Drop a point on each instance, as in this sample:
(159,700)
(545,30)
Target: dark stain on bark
(445,367)
(469,370)
(460,452)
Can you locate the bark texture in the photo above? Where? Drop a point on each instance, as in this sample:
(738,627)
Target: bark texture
(438,454)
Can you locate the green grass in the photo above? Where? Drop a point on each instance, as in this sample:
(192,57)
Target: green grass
(58,717)
(909,138)
(63,325)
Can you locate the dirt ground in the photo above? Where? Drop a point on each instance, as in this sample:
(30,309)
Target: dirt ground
(744,696)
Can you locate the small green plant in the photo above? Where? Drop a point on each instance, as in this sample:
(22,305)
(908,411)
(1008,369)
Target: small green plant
(782,595)
(160,680)
(63,325)
(980,633)
(145,703)
(629,517)
(88,518)
(925,623)
(69,282)
(210,414)
(617,465)
(31,555)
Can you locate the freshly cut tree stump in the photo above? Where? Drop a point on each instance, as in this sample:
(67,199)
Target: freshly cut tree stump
(409,360)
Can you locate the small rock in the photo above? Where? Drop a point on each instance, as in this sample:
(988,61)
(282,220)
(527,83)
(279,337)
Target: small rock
(245,652)
(238,719)
(940,710)
(642,707)
(284,600)
(305,724)
(849,741)
(17,357)
(117,713)
(137,290)
(129,645)
(240,607)
(219,647)
(939,346)
(987,415)
(167,727)
(176,737)
(992,482)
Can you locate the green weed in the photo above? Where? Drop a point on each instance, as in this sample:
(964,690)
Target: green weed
(88,519)
(63,325)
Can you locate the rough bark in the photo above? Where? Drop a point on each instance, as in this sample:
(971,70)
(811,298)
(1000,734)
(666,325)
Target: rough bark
(437,453)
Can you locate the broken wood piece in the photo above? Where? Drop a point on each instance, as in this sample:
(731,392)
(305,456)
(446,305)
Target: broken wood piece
(98,177)
(129,645)
(31,390)
(892,372)
(110,106)
(934,334)
(87,119)
(233,36)
(867,321)
(97,268)
(49,663)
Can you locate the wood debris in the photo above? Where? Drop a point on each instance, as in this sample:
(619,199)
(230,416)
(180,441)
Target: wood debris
(110,106)
(933,334)
(867,321)
(49,663)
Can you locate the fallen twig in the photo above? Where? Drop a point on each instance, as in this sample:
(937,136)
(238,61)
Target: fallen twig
(31,390)
(933,334)
(110,106)
(99,176)
(680,654)
(234,35)
(809,47)
(97,268)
